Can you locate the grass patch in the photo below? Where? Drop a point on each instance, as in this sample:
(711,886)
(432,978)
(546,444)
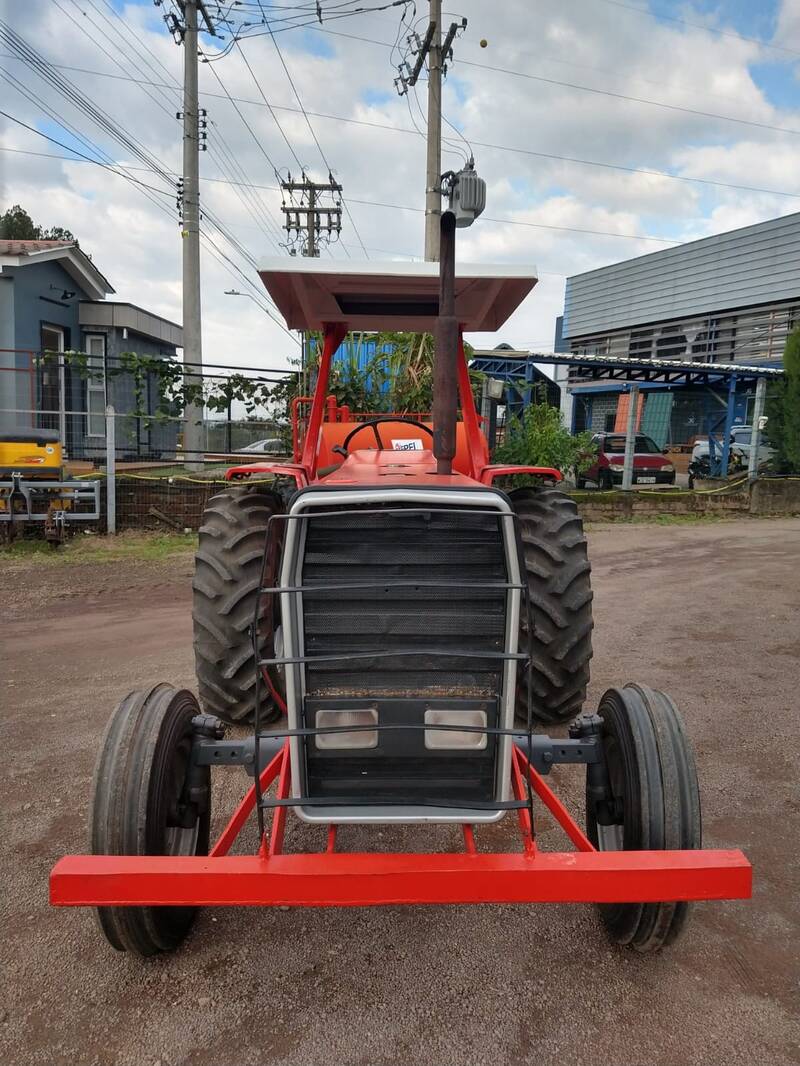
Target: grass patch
(703,518)
(131,545)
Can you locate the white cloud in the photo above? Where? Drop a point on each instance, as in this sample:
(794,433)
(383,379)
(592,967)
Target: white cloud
(787,31)
(577,41)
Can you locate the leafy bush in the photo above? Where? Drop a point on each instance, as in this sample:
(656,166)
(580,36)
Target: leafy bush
(540,438)
(783,408)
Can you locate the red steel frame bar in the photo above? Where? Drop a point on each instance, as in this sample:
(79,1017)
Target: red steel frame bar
(523,813)
(333,337)
(247,806)
(279,817)
(553,803)
(332,878)
(322,402)
(368,879)
(476,442)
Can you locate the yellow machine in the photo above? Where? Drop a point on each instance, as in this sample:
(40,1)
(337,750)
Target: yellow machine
(32,486)
(34,453)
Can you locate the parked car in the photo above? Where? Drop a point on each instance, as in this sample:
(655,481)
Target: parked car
(650,465)
(270,446)
(741,437)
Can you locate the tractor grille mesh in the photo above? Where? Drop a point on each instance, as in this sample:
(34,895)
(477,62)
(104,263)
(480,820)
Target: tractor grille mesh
(459,550)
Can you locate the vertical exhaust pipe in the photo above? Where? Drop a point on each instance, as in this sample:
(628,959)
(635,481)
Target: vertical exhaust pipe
(445,367)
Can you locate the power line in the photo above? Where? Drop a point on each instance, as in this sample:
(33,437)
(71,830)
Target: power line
(86,158)
(220,255)
(250,129)
(153,164)
(481,144)
(699,26)
(240,191)
(582,88)
(143,55)
(406,207)
(268,105)
(316,140)
(73,95)
(632,99)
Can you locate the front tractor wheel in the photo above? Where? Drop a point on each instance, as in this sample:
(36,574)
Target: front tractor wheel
(235,534)
(148,800)
(558,576)
(650,802)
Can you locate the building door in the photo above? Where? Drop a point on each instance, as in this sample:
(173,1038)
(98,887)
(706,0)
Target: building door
(54,394)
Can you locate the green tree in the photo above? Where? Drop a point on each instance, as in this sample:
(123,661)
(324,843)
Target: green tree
(397,378)
(17,224)
(783,408)
(540,438)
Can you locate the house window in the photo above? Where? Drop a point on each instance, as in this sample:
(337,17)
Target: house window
(96,385)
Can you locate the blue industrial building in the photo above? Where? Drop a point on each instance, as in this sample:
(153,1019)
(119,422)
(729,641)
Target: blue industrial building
(732,298)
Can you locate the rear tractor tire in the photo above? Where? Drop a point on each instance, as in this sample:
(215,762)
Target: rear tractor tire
(228,571)
(142,805)
(558,576)
(653,804)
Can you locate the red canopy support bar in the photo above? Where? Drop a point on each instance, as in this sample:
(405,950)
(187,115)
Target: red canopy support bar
(333,337)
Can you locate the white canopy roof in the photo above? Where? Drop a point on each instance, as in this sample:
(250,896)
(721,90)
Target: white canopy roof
(373,296)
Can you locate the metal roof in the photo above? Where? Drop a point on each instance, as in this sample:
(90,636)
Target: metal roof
(744,267)
(117,315)
(668,371)
(392,296)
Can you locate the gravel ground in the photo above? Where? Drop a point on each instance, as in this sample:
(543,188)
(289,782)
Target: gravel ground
(708,612)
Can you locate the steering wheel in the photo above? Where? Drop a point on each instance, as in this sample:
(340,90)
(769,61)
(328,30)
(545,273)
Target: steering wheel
(373,424)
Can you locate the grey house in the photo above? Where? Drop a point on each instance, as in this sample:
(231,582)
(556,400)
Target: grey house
(53,299)
(730,298)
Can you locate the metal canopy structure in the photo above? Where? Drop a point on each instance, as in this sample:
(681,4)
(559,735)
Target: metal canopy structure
(313,293)
(615,368)
(636,372)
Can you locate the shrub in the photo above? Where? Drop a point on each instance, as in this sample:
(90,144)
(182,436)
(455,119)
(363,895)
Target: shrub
(783,425)
(540,438)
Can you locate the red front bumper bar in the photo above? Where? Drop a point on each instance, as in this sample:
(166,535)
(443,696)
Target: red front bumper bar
(358,880)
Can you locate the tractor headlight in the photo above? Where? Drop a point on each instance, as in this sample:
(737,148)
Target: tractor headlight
(358,738)
(455,739)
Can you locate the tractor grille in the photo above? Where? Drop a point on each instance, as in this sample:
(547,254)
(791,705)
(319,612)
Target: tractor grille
(457,552)
(400,616)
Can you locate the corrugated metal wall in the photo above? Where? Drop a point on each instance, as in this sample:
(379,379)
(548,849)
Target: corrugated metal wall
(621,423)
(749,266)
(656,418)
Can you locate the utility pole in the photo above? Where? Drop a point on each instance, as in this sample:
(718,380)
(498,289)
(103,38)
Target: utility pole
(308,218)
(433,161)
(630,437)
(185,31)
(437,52)
(192,331)
(311,223)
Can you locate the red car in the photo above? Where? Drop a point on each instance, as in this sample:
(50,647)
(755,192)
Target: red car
(650,465)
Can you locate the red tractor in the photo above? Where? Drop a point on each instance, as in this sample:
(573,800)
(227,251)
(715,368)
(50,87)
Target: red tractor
(394,628)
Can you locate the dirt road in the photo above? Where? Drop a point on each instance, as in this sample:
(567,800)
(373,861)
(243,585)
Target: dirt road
(708,612)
